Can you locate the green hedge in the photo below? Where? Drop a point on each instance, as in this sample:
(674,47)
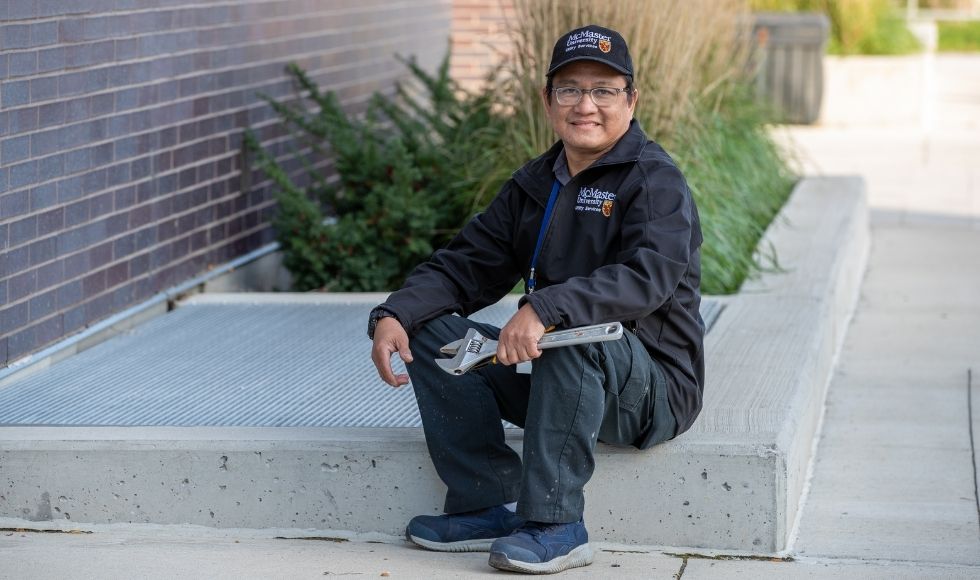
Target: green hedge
(959,36)
(740,180)
(872,27)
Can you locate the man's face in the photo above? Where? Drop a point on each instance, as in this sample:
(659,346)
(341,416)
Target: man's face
(585,129)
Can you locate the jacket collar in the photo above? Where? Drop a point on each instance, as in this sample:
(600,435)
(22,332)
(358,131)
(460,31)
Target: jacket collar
(536,177)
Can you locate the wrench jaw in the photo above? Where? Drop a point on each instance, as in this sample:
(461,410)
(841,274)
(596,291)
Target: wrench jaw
(473,351)
(452,348)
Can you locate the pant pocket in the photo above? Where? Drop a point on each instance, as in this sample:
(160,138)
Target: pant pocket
(638,382)
(664,426)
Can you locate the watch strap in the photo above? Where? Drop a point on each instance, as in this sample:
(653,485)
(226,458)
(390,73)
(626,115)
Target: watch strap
(377,314)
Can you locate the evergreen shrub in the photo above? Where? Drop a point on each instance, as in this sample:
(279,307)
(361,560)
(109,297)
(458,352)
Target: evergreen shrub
(410,173)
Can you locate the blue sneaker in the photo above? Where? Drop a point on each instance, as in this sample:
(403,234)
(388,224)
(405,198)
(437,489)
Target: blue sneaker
(464,532)
(543,548)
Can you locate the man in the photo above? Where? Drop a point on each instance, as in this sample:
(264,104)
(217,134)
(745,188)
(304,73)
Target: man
(602,228)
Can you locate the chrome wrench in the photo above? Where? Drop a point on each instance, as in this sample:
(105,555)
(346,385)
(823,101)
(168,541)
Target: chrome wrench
(475,350)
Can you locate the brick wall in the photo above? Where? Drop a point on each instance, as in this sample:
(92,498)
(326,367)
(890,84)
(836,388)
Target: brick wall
(479,35)
(120,137)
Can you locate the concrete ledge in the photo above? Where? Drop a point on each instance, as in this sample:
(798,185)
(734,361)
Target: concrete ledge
(732,483)
(771,355)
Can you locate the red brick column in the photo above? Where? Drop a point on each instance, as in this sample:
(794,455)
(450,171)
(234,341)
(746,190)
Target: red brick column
(479,35)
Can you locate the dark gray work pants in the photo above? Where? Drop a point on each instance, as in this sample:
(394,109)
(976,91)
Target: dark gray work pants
(611,391)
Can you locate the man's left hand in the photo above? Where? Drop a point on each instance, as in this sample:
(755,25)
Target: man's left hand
(519,338)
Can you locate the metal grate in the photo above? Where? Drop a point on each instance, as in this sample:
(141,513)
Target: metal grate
(242,364)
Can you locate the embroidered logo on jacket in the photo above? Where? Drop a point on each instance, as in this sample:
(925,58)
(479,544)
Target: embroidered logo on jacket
(591,199)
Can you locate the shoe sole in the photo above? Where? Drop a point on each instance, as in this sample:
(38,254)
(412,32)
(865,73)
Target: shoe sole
(461,546)
(580,556)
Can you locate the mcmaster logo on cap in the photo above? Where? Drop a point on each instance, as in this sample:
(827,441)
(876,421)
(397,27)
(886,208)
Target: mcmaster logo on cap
(592,43)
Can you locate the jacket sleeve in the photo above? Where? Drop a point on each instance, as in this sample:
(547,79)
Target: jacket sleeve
(656,240)
(474,270)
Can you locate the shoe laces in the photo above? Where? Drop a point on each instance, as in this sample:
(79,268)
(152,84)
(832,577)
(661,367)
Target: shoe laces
(537,529)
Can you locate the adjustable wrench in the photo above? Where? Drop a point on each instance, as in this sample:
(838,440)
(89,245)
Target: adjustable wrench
(475,350)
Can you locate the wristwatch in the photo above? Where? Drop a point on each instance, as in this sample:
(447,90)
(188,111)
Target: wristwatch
(377,314)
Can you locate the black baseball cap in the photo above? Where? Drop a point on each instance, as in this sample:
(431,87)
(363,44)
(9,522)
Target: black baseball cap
(592,42)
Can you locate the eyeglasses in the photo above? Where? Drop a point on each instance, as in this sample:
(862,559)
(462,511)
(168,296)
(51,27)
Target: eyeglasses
(601,96)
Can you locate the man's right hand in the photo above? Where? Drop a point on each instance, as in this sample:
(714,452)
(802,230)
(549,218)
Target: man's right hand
(389,338)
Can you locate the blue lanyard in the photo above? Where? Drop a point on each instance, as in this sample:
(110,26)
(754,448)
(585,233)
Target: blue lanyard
(531,280)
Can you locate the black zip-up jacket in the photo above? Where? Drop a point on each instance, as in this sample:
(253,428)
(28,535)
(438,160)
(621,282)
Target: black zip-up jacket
(622,245)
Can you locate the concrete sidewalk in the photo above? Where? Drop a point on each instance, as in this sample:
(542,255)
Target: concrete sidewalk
(893,492)
(124,552)
(894,476)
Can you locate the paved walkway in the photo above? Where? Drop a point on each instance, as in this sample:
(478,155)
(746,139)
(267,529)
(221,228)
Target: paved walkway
(893,489)
(893,478)
(924,170)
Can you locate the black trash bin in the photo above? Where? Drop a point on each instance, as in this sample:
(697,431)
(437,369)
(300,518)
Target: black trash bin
(789,53)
